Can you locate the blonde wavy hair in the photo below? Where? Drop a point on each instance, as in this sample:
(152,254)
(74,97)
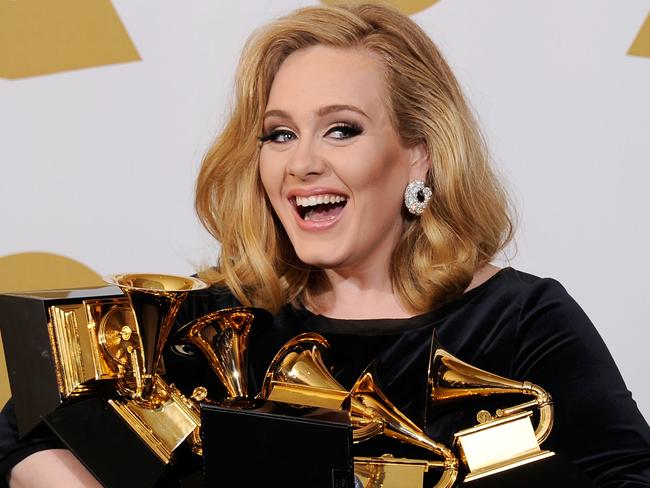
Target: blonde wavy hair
(466,222)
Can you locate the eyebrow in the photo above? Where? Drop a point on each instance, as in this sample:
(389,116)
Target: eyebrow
(320,112)
(339,108)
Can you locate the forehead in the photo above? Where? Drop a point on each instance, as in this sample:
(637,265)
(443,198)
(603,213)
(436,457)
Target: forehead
(321,75)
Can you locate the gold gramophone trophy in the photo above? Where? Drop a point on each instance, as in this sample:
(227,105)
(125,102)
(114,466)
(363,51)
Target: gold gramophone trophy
(222,336)
(501,441)
(297,375)
(94,356)
(160,415)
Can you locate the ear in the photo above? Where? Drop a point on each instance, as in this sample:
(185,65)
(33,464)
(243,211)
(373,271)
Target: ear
(420,163)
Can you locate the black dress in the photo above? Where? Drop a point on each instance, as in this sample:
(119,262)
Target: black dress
(515,325)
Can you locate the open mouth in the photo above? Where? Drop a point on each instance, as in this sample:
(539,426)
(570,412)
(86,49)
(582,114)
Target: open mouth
(319,208)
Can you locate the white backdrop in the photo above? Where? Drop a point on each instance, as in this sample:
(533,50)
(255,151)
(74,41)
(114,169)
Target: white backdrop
(99,164)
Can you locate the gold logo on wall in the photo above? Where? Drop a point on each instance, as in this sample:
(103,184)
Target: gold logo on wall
(641,45)
(406,6)
(39,37)
(44,271)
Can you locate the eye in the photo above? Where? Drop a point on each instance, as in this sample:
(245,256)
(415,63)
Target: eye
(343,131)
(278,135)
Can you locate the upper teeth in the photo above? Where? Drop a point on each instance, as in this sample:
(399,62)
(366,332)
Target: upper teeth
(318,199)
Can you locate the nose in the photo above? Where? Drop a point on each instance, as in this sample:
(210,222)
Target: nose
(305,160)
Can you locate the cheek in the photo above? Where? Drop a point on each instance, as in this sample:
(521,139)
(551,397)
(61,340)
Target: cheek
(360,166)
(271,179)
(384,170)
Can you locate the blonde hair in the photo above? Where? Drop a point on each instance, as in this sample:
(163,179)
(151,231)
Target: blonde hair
(466,222)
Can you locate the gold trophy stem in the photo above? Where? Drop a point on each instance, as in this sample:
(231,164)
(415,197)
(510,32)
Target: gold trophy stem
(542,401)
(136,372)
(362,433)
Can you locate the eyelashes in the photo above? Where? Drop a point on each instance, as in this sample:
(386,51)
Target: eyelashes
(345,131)
(340,131)
(278,135)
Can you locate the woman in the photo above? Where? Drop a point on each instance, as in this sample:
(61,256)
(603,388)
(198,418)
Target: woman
(352,196)
(353,105)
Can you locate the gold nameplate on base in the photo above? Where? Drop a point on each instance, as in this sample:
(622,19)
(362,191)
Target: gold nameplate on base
(389,472)
(162,428)
(498,445)
(308,395)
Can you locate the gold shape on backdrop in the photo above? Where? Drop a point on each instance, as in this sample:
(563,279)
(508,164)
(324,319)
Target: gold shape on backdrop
(405,6)
(39,271)
(40,37)
(29,271)
(641,45)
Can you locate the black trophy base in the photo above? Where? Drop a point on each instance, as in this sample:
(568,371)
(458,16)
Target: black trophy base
(272,444)
(554,471)
(105,444)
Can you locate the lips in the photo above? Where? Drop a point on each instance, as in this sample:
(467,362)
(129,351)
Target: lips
(318,208)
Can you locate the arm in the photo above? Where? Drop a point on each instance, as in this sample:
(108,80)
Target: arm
(597,423)
(51,468)
(38,459)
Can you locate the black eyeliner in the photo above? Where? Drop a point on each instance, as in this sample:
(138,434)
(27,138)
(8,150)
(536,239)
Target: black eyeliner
(266,137)
(355,129)
(352,128)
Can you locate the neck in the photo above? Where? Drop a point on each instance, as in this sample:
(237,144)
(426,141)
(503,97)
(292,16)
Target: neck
(359,295)
(369,294)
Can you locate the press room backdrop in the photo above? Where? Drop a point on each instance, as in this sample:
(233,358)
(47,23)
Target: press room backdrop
(107,107)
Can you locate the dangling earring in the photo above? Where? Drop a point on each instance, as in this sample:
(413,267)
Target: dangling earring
(416,197)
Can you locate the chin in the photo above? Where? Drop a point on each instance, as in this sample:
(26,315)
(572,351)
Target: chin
(321,258)
(318,260)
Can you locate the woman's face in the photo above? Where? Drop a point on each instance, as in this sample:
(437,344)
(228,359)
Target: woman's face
(331,163)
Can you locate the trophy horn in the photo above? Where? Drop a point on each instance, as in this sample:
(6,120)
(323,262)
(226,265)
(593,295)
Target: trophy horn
(297,369)
(450,378)
(298,375)
(155,300)
(222,336)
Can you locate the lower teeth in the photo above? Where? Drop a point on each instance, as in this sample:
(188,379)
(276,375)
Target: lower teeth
(322,212)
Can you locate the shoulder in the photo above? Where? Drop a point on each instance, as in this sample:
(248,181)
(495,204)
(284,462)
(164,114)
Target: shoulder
(526,288)
(548,327)
(542,301)
(517,296)
(513,320)
(543,305)
(534,302)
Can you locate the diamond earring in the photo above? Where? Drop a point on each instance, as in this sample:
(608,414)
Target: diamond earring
(416,197)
